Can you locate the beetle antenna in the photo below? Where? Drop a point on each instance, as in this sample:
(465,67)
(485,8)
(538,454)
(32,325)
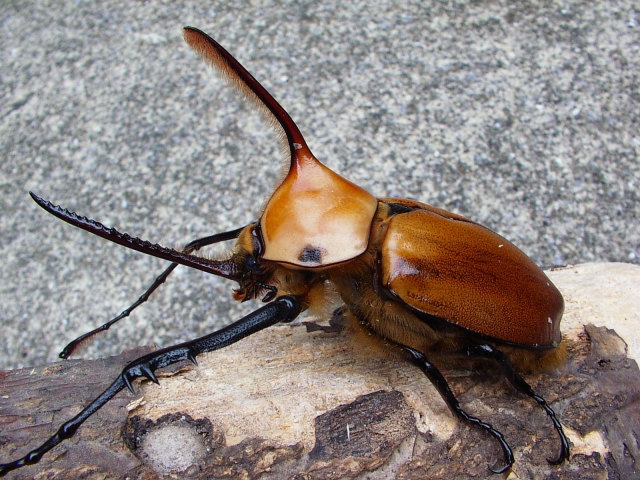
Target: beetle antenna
(216,56)
(193,246)
(222,268)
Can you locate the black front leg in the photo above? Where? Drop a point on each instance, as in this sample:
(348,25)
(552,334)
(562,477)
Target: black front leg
(432,372)
(284,309)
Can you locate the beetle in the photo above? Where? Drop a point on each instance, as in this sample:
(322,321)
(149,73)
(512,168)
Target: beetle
(421,281)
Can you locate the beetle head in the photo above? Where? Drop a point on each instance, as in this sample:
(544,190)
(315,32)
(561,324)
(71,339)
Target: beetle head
(255,278)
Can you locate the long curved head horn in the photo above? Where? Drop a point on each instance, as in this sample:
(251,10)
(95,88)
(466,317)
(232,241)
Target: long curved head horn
(315,217)
(238,76)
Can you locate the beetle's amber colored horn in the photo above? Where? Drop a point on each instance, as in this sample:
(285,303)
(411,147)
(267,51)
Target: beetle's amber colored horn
(215,55)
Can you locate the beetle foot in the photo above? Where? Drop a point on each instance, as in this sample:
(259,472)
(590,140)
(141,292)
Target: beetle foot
(564,450)
(506,449)
(502,469)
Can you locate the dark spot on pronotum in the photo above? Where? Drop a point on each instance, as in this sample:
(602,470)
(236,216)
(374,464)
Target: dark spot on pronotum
(311,255)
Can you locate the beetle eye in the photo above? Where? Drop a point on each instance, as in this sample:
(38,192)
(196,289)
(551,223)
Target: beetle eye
(251,264)
(256,234)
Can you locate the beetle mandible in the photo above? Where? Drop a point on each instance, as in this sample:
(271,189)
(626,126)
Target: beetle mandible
(424,282)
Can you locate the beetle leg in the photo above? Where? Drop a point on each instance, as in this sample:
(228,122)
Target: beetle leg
(432,372)
(519,383)
(284,309)
(189,248)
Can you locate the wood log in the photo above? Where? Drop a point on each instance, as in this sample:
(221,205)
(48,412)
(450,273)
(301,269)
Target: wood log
(304,402)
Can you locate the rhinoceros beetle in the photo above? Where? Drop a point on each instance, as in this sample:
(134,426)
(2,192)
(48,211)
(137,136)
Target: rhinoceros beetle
(425,282)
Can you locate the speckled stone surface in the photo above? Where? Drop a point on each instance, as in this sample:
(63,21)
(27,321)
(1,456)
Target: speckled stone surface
(522,116)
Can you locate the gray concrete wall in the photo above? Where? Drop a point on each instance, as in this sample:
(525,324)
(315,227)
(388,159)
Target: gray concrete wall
(520,115)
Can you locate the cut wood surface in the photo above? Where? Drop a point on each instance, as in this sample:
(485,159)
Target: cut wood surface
(305,402)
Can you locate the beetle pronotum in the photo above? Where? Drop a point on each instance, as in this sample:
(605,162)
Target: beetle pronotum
(424,282)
